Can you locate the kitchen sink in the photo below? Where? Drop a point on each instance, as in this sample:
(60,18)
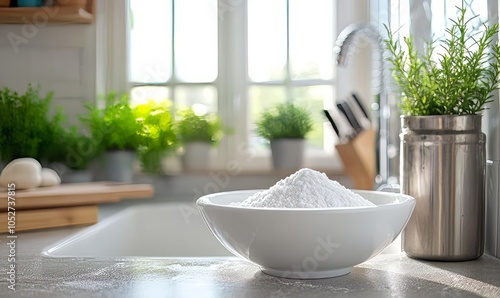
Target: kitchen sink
(164,230)
(151,230)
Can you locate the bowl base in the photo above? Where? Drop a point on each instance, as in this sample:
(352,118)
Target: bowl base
(307,274)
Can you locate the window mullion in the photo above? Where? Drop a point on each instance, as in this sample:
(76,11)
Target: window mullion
(231,79)
(288,76)
(173,79)
(295,83)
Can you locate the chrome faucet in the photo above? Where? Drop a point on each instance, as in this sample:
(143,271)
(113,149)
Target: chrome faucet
(351,38)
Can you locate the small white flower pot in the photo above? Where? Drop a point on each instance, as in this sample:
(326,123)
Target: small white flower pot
(196,156)
(118,166)
(288,154)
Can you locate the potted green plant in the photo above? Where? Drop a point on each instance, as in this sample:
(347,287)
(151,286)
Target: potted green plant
(71,155)
(158,136)
(115,127)
(286,126)
(442,147)
(197,134)
(26,127)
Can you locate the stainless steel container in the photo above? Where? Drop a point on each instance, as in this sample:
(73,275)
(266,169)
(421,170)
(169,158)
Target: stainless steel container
(492,241)
(443,164)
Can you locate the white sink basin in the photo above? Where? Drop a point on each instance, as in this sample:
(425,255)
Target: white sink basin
(155,230)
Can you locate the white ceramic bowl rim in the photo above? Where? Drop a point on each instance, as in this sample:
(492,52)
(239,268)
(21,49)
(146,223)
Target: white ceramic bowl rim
(398,200)
(285,241)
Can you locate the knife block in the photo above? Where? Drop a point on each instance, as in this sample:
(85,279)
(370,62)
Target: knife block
(358,158)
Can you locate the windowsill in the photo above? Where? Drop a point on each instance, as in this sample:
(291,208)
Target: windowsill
(251,172)
(189,186)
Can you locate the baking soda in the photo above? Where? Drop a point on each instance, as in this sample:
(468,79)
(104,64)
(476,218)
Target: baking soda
(306,188)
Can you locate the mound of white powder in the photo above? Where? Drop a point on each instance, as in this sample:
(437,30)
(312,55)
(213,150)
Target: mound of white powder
(306,188)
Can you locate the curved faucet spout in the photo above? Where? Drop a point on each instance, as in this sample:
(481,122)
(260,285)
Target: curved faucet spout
(356,36)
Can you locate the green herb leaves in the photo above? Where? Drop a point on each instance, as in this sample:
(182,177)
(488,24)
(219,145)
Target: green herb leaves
(285,121)
(458,82)
(193,128)
(115,126)
(26,129)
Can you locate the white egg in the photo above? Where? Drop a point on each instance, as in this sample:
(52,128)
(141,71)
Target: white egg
(24,172)
(50,178)
(24,159)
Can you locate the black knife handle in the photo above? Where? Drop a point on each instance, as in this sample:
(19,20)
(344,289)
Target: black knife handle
(346,110)
(330,119)
(360,105)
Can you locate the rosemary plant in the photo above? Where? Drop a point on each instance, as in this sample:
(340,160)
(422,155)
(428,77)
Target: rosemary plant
(459,82)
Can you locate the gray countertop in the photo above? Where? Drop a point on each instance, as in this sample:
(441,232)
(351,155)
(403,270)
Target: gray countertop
(387,275)
(390,275)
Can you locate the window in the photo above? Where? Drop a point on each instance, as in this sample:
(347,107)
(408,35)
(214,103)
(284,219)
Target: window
(430,19)
(290,58)
(174,58)
(424,21)
(237,58)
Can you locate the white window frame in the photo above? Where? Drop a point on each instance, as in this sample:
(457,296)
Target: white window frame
(232,26)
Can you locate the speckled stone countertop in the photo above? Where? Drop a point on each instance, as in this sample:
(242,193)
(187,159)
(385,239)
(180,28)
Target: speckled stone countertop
(387,275)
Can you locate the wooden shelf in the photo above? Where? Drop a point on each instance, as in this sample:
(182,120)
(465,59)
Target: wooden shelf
(40,15)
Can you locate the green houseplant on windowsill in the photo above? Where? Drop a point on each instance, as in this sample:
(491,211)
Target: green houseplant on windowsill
(198,134)
(72,154)
(114,126)
(443,156)
(26,127)
(157,134)
(286,126)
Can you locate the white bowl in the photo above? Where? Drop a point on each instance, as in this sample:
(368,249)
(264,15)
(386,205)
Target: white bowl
(306,243)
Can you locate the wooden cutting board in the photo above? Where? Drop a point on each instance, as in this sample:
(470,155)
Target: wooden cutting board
(63,205)
(75,194)
(36,219)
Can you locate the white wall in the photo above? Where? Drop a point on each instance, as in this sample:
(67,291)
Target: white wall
(60,58)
